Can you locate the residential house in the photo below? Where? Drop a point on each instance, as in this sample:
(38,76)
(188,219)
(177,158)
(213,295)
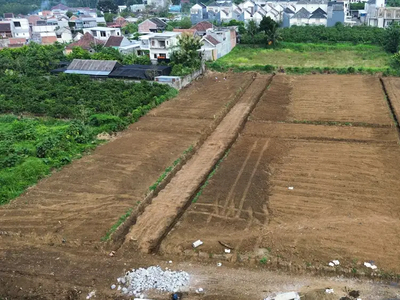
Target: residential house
(157,3)
(132,48)
(33,19)
(49,39)
(336,13)
(16,42)
(152,25)
(384,16)
(85,22)
(278,10)
(87,42)
(45,13)
(117,41)
(161,45)
(20,28)
(218,42)
(8,16)
(103,33)
(64,35)
(60,9)
(5,30)
(202,27)
(198,13)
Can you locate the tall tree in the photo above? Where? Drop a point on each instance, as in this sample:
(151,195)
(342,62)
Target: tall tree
(270,28)
(392,38)
(107,6)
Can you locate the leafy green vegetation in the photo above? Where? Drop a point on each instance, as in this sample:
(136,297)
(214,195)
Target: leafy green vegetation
(31,147)
(187,59)
(116,225)
(307,56)
(59,117)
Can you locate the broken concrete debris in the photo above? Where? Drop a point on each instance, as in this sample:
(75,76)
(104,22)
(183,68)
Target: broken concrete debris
(370,265)
(329,291)
(138,280)
(334,263)
(197,243)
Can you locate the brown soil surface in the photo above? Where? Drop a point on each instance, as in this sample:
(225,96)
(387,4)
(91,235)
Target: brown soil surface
(342,98)
(392,86)
(83,200)
(160,215)
(344,202)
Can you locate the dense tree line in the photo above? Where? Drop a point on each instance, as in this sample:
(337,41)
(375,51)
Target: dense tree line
(68,96)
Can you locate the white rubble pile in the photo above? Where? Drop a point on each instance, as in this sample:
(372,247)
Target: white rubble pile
(136,281)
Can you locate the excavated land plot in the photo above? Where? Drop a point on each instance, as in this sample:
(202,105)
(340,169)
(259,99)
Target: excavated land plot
(154,223)
(82,201)
(344,201)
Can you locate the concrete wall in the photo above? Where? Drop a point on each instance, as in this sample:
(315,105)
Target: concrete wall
(184,81)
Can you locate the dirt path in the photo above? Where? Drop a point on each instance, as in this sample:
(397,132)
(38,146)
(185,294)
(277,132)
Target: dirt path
(154,223)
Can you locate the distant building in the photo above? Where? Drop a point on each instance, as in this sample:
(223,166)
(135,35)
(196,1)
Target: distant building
(117,41)
(5,30)
(160,45)
(103,33)
(218,42)
(293,12)
(20,28)
(86,42)
(202,27)
(152,25)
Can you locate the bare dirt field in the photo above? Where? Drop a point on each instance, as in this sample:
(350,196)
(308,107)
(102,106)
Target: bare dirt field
(344,201)
(343,205)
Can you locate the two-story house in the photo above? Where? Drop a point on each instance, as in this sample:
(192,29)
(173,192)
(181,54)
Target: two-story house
(161,45)
(5,30)
(20,28)
(103,33)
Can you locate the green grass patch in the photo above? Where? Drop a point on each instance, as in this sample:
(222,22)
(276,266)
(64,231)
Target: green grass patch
(303,58)
(209,177)
(116,225)
(169,169)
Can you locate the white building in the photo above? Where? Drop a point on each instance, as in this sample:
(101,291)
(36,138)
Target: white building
(160,45)
(64,35)
(20,28)
(103,33)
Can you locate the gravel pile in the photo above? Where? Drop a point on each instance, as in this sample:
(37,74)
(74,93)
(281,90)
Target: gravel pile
(136,281)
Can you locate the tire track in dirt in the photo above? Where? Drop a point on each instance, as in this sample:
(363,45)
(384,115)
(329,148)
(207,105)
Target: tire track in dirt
(169,205)
(229,198)
(241,203)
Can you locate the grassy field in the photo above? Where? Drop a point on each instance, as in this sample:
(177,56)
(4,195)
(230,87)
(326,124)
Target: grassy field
(308,56)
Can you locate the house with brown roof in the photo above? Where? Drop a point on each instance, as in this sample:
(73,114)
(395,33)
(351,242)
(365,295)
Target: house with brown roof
(202,27)
(5,30)
(218,42)
(49,40)
(16,42)
(152,25)
(8,16)
(192,32)
(87,42)
(117,41)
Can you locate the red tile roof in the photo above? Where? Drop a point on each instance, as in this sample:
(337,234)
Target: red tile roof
(212,40)
(49,40)
(85,42)
(114,41)
(202,26)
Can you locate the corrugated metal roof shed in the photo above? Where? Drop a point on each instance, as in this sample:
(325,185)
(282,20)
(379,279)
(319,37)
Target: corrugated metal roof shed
(92,67)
